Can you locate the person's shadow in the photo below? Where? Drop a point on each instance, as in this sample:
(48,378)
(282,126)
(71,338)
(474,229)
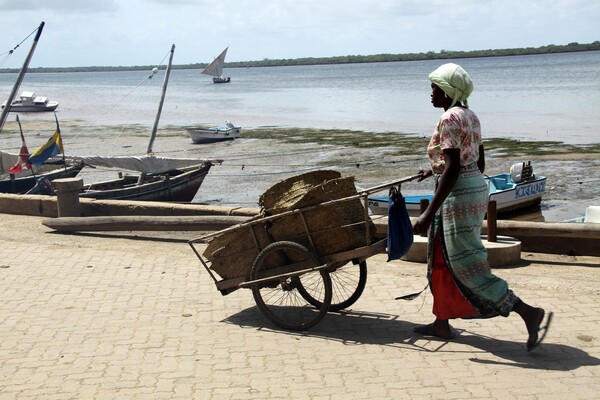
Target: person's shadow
(356,328)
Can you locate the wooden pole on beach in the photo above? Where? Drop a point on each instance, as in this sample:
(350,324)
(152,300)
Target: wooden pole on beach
(492,221)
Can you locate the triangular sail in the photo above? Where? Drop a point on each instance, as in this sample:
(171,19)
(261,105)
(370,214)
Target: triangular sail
(215,68)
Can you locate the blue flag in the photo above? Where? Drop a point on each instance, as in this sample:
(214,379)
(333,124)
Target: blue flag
(52,147)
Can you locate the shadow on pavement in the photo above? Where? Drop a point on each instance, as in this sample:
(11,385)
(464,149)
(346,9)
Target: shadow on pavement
(357,328)
(549,356)
(160,236)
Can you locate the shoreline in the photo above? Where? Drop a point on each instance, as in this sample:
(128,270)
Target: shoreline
(347,137)
(347,59)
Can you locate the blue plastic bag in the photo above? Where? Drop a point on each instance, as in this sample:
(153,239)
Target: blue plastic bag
(400,233)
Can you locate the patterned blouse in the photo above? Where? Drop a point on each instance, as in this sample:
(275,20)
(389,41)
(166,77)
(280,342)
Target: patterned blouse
(457,128)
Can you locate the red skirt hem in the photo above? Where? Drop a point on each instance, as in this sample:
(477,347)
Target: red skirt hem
(448,301)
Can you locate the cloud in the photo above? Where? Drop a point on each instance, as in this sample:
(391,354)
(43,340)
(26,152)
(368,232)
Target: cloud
(70,6)
(135,32)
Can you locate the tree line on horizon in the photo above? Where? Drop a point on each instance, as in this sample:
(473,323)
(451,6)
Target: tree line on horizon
(350,59)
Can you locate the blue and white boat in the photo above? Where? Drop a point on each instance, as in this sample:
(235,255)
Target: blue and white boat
(592,215)
(520,189)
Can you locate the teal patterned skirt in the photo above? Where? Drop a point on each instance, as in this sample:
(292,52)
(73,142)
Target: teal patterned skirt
(458,223)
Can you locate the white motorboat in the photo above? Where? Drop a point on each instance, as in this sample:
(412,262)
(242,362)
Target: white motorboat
(214,134)
(30,102)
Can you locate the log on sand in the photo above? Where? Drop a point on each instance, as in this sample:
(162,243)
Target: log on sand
(218,222)
(143,223)
(547,229)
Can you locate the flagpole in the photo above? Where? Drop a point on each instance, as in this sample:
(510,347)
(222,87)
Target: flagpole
(61,142)
(17,85)
(162,100)
(23,139)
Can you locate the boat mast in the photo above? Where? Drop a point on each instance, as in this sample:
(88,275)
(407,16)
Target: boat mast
(15,88)
(162,100)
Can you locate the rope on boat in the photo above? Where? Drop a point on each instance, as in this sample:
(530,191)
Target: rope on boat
(148,78)
(9,53)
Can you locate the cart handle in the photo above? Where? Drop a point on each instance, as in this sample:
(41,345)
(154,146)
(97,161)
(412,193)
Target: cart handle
(390,184)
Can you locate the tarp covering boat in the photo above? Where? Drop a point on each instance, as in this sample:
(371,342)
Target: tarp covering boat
(7,160)
(146,164)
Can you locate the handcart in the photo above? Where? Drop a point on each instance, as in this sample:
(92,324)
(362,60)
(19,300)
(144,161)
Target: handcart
(294,279)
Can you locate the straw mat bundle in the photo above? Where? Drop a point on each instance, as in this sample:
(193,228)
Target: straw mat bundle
(334,228)
(287,194)
(232,253)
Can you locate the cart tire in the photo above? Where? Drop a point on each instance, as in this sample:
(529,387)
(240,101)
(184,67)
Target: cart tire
(280,300)
(348,283)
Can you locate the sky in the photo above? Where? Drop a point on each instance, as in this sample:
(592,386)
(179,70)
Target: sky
(141,32)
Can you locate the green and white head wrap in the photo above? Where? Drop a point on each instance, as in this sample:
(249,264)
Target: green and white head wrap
(454,81)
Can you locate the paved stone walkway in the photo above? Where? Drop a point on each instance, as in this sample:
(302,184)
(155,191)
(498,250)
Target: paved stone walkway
(126,316)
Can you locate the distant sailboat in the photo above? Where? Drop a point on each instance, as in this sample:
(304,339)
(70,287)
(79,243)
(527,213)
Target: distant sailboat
(215,69)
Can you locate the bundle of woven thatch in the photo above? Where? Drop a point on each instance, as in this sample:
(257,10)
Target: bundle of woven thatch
(232,253)
(289,193)
(333,228)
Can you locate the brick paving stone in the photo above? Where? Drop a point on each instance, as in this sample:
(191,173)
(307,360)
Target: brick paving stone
(133,316)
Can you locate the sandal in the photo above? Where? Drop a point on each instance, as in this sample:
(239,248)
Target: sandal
(427,330)
(541,329)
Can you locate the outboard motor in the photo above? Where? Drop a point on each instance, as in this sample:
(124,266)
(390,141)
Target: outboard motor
(521,173)
(42,186)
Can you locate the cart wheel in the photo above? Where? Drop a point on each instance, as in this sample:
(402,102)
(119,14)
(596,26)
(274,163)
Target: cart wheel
(279,299)
(348,282)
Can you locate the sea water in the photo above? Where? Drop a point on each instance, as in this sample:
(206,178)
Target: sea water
(534,97)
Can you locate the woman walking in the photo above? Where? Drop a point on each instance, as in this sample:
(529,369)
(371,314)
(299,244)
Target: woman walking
(459,275)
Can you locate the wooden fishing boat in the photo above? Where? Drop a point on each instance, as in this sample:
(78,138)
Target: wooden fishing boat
(25,181)
(215,69)
(173,185)
(159,178)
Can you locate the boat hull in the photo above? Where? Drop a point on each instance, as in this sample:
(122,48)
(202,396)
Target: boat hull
(522,196)
(211,135)
(22,185)
(177,185)
(509,197)
(221,80)
(592,216)
(379,205)
(51,106)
